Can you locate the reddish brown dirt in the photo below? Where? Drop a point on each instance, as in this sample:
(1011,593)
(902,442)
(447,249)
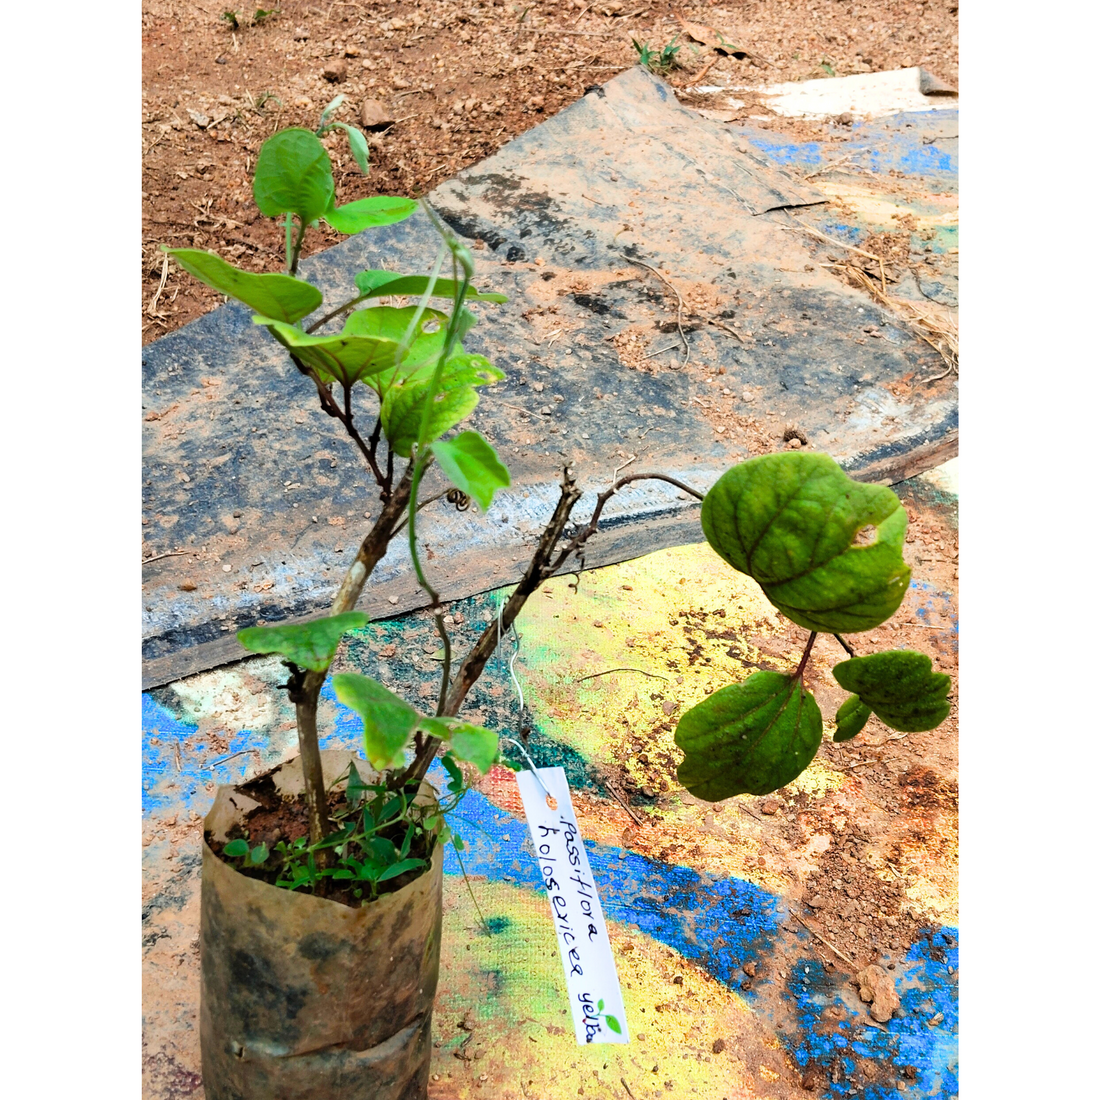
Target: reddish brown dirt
(460,77)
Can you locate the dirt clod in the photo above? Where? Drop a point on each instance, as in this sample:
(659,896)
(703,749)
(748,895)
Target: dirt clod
(718,1046)
(374,115)
(335,70)
(876,988)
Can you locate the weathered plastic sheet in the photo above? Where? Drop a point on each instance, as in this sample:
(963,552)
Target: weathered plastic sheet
(251,498)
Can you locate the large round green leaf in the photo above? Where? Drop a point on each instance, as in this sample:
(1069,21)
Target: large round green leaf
(899,686)
(791,521)
(748,738)
(293,176)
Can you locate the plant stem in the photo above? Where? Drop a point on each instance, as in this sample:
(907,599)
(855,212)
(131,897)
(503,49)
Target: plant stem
(336,312)
(297,248)
(371,551)
(289,238)
(538,570)
(805,656)
(847,648)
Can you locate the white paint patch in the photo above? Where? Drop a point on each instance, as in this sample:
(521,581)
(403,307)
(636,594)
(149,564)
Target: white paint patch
(945,477)
(865,95)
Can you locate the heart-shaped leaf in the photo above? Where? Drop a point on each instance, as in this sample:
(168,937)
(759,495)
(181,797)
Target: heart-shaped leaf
(851,717)
(354,217)
(281,297)
(376,284)
(388,721)
(235,849)
(343,357)
(475,745)
(456,397)
(748,738)
(899,686)
(293,176)
(791,521)
(472,466)
(309,645)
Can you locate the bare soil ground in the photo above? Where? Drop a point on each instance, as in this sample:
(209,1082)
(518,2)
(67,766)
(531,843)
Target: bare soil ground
(459,78)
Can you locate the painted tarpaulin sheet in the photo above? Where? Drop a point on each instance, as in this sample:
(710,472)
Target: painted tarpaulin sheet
(730,992)
(251,501)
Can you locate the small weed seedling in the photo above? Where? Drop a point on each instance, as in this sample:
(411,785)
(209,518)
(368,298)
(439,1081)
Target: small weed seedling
(660,63)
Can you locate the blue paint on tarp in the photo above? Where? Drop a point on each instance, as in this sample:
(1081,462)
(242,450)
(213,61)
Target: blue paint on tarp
(720,923)
(916,143)
(849,234)
(717,922)
(923,1035)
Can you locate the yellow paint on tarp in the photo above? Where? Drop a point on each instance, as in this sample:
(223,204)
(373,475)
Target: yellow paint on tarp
(878,209)
(677,625)
(502,1008)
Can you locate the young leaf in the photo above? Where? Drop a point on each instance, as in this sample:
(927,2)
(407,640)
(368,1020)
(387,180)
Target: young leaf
(475,745)
(899,686)
(383,850)
(388,721)
(599,1005)
(309,645)
(613,1024)
(362,214)
(851,717)
(377,284)
(473,466)
(454,771)
(356,789)
(358,143)
(748,738)
(403,405)
(327,113)
(235,849)
(790,522)
(281,297)
(293,176)
(400,868)
(258,854)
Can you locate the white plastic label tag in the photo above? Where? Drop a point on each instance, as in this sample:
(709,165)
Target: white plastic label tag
(590,976)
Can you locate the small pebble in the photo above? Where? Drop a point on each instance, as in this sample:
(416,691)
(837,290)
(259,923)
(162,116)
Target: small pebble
(335,70)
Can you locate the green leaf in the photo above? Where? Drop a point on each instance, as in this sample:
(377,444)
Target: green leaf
(362,214)
(475,745)
(388,721)
(309,645)
(473,466)
(599,1005)
(378,284)
(357,789)
(790,522)
(358,143)
(258,854)
(748,738)
(235,849)
(327,113)
(400,868)
(613,1024)
(458,781)
(899,686)
(279,296)
(851,717)
(293,176)
(403,405)
(345,357)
